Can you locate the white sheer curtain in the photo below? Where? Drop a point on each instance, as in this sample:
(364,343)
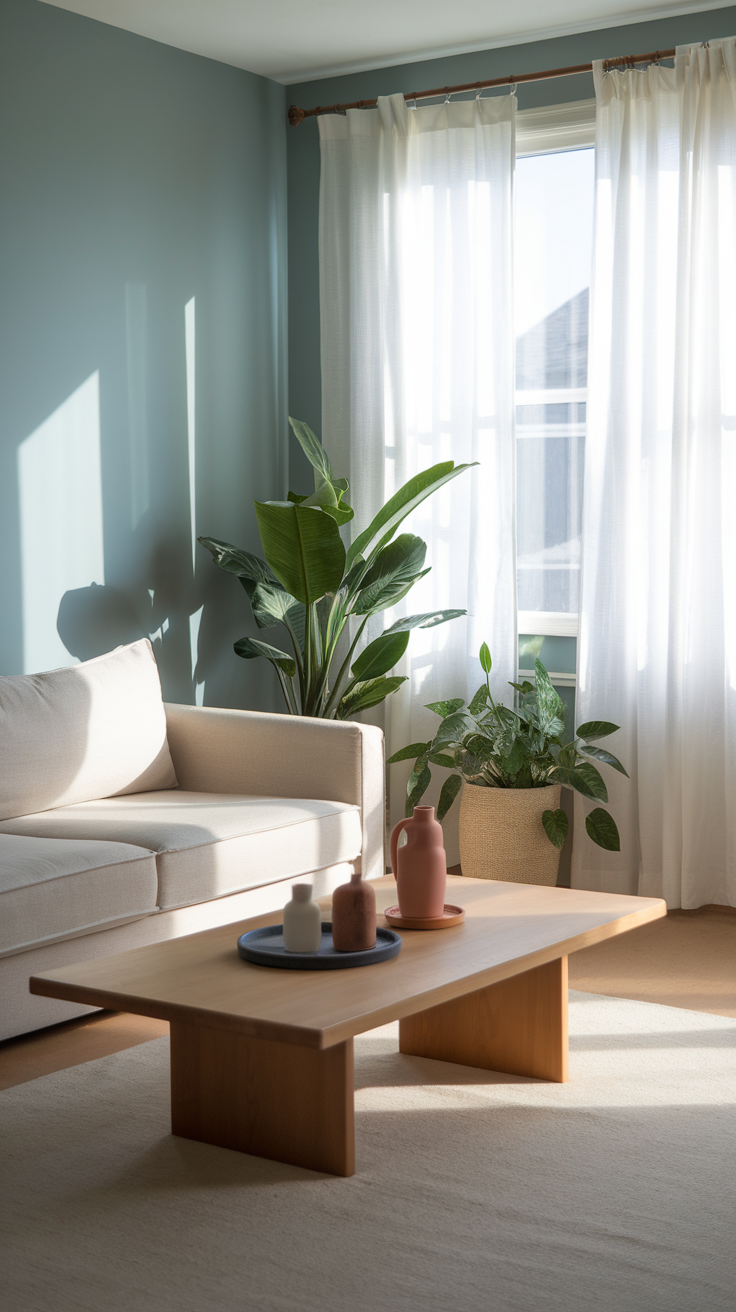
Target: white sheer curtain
(658,610)
(417,367)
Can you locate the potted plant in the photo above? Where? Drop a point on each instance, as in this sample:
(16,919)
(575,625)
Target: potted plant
(512,764)
(313,586)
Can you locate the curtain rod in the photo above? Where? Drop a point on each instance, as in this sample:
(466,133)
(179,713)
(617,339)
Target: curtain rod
(296,115)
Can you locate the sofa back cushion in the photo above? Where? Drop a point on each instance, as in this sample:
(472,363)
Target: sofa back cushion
(89,731)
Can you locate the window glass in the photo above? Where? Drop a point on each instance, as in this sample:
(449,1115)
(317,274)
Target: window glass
(554,241)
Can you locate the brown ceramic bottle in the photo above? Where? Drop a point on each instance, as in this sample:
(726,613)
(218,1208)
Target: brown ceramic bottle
(420,867)
(354,916)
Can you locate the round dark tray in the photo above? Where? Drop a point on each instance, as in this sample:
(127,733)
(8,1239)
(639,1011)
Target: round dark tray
(265,947)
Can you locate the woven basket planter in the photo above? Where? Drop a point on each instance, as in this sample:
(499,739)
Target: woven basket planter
(502,837)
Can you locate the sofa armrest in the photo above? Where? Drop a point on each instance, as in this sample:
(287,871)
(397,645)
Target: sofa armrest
(267,755)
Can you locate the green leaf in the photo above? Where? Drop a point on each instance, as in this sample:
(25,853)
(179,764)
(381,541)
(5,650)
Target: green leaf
(237,561)
(486,663)
(419,781)
(364,695)
(479,700)
(602,829)
(271,604)
(426,621)
(524,688)
(341,514)
(327,499)
(607,758)
(394,570)
(249,648)
(303,547)
(403,502)
(380,656)
(450,789)
(516,758)
(446,708)
(594,780)
(438,758)
(556,825)
(596,729)
(313,450)
(420,767)
(408,753)
(550,707)
(583,778)
(453,729)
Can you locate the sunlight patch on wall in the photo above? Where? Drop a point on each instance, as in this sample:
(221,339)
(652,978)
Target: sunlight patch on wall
(60,495)
(136,327)
(194,623)
(190,357)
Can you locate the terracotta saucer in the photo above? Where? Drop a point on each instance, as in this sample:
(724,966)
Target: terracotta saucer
(451,916)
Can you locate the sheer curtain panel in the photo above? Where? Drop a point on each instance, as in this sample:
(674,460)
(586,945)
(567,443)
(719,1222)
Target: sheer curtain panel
(658,609)
(417,367)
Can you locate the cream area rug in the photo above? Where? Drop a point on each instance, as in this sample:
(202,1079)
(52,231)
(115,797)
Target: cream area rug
(474,1192)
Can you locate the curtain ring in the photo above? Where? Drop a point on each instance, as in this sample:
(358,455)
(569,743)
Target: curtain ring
(413,104)
(447,97)
(512,89)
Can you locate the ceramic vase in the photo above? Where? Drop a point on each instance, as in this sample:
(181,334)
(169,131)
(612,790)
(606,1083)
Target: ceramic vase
(420,866)
(354,916)
(302,921)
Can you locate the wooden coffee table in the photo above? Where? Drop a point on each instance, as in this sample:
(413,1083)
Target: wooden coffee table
(262,1060)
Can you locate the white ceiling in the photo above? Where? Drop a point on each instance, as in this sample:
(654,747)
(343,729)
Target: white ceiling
(298,40)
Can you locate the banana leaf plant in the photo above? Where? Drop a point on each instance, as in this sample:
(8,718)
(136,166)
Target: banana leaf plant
(494,746)
(310,583)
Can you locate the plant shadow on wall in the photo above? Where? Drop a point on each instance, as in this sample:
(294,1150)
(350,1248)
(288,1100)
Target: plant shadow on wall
(319,590)
(96,619)
(513,763)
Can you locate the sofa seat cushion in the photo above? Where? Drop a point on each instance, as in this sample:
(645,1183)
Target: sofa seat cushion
(53,888)
(211,844)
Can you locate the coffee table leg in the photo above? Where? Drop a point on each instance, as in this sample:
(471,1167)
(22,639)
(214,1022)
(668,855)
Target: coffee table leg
(276,1100)
(518,1026)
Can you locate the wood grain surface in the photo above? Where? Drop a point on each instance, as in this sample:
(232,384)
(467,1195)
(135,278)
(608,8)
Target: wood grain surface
(518,1026)
(200,979)
(276,1100)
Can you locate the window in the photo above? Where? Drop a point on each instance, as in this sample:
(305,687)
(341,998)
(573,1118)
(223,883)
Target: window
(554,239)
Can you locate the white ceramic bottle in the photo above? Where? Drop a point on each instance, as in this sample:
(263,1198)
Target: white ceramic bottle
(302,921)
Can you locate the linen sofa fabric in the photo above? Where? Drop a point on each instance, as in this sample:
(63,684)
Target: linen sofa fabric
(92,730)
(289,756)
(208,845)
(51,889)
(162,860)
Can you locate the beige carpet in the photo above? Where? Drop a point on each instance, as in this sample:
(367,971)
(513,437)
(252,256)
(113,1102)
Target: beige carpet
(473,1192)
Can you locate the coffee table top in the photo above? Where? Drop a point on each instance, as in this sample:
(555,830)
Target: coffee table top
(200,978)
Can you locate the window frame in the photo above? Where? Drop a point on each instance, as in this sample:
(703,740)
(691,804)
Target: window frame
(552,130)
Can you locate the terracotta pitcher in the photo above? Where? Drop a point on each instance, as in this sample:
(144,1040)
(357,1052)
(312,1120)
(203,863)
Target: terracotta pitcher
(420,866)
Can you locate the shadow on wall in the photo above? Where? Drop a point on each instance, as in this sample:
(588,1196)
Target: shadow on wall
(93,620)
(141,369)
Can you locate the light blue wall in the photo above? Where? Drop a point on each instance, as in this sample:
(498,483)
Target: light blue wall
(303,148)
(135,179)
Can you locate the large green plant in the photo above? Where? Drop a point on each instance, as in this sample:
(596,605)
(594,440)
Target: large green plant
(310,584)
(495,746)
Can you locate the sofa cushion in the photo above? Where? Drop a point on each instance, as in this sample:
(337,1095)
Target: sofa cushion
(91,730)
(211,844)
(53,888)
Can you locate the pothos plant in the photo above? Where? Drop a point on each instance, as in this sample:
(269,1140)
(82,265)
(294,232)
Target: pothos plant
(495,746)
(312,585)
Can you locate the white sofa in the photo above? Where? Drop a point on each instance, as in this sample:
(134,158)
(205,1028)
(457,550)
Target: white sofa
(124,821)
